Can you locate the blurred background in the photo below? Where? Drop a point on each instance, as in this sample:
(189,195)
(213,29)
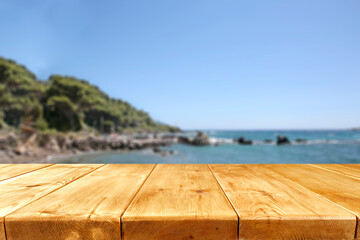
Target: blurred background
(179,81)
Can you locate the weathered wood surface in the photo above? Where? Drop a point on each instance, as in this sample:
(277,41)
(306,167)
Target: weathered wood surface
(20,191)
(180,202)
(273,207)
(89,208)
(14,170)
(338,188)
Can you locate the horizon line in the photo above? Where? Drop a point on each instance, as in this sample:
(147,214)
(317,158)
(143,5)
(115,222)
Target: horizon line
(266,129)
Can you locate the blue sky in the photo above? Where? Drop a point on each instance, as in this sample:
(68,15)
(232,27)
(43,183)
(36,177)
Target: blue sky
(204,64)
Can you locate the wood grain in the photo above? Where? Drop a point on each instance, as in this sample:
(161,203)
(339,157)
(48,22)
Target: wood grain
(89,208)
(4,165)
(180,202)
(14,170)
(351,170)
(20,191)
(2,229)
(338,188)
(272,207)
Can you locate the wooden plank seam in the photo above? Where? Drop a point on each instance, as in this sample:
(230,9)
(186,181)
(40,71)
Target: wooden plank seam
(180,202)
(339,173)
(25,172)
(356,216)
(301,186)
(48,194)
(238,223)
(346,175)
(121,221)
(4,229)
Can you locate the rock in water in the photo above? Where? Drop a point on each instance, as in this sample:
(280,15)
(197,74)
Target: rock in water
(201,139)
(282,140)
(157,150)
(184,140)
(243,141)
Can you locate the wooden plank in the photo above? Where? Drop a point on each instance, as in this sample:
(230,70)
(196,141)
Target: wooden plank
(20,191)
(338,188)
(353,166)
(4,165)
(89,208)
(351,170)
(14,170)
(2,230)
(180,202)
(272,207)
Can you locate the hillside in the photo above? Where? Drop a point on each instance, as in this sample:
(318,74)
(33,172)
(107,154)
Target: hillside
(65,104)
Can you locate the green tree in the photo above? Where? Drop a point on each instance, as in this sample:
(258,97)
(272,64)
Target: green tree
(65,103)
(62,114)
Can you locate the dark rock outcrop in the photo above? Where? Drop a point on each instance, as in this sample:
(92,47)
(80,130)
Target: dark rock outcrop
(243,141)
(282,140)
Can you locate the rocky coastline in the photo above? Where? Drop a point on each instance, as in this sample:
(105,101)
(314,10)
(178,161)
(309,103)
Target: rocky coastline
(41,148)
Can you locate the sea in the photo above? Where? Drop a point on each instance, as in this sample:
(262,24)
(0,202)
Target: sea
(321,146)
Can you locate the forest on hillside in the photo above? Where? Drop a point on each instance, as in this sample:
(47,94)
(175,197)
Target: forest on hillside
(65,104)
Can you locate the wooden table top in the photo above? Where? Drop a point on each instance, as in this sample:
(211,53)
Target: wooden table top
(179,202)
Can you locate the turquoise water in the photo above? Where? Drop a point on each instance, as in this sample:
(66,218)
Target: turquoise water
(331,146)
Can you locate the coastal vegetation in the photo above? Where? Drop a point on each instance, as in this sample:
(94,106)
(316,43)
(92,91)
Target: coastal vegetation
(65,104)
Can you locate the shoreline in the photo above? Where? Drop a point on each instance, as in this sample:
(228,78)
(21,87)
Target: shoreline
(42,156)
(45,148)
(52,148)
